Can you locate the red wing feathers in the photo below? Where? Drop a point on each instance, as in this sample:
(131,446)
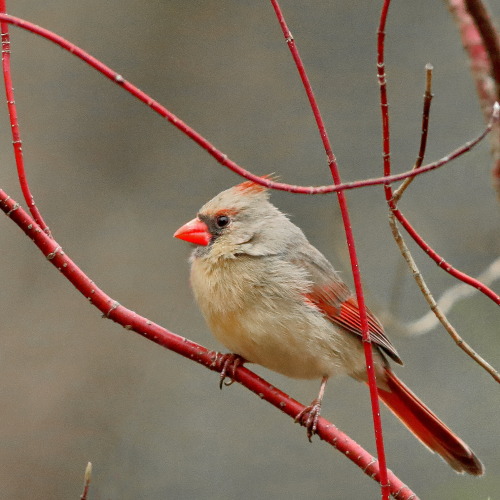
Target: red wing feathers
(337,303)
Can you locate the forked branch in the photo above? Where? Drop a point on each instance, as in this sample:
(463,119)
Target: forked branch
(395,213)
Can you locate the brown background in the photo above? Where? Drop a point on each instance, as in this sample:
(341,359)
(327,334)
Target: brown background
(114,181)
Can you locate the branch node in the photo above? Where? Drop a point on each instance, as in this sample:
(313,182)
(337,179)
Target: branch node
(51,255)
(113,307)
(13,209)
(372,461)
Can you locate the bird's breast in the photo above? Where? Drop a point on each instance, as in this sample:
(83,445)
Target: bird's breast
(266,320)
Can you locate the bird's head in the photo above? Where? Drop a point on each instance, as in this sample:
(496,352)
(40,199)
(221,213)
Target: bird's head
(239,220)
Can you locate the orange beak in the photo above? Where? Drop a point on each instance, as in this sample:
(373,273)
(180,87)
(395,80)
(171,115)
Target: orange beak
(195,231)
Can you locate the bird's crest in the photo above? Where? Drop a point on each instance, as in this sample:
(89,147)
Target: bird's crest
(251,187)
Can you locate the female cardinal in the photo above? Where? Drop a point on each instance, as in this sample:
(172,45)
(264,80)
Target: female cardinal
(273,299)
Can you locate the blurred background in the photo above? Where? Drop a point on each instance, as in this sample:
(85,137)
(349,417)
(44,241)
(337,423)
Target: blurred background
(114,181)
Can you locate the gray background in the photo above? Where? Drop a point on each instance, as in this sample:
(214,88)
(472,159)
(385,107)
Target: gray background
(114,181)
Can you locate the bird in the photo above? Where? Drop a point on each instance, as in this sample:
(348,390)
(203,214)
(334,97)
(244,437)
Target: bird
(273,299)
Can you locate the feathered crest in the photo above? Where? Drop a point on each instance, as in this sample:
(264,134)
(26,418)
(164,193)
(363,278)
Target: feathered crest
(251,187)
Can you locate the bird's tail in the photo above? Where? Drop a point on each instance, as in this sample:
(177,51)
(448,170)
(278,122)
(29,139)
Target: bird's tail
(427,427)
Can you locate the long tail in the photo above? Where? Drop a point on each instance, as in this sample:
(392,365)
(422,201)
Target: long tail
(427,427)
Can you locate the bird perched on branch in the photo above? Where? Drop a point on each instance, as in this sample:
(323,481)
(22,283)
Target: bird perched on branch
(273,299)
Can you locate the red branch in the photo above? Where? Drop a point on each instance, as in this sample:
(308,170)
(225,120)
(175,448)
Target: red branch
(443,264)
(225,161)
(14,124)
(438,259)
(130,320)
(204,143)
(489,37)
(332,162)
(384,105)
(481,42)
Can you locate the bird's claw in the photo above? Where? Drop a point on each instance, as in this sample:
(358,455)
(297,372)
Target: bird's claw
(228,363)
(309,418)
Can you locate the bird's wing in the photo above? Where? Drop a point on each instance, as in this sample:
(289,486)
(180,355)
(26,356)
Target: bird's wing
(330,295)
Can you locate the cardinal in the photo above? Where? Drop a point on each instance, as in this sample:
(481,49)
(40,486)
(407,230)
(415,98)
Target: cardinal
(273,299)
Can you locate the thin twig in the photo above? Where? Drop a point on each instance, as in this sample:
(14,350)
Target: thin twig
(436,310)
(428,95)
(441,262)
(405,252)
(86,481)
(450,297)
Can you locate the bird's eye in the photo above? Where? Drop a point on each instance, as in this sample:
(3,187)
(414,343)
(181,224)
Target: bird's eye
(222,221)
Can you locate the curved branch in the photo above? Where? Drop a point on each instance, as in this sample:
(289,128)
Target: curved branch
(130,320)
(208,146)
(14,124)
(436,312)
(441,262)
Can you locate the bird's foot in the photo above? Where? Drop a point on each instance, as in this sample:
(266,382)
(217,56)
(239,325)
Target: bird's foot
(309,417)
(228,363)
